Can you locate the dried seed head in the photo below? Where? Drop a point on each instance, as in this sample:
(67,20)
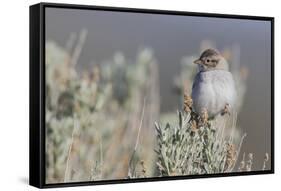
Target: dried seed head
(249,162)
(266,157)
(230,156)
(187,103)
(250,156)
(143,168)
(204,116)
(242,164)
(194,126)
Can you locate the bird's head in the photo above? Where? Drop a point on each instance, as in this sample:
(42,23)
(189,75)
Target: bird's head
(211,59)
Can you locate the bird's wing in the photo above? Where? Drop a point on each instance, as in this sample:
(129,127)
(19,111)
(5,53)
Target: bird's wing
(196,80)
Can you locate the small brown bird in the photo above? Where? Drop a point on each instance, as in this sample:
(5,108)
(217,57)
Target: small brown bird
(213,87)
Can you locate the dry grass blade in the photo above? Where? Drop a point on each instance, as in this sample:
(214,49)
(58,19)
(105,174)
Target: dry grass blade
(131,169)
(78,49)
(67,172)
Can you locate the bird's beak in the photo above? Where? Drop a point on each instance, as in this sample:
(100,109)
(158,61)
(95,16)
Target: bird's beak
(198,61)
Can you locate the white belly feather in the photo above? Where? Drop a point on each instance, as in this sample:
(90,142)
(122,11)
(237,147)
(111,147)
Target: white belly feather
(212,90)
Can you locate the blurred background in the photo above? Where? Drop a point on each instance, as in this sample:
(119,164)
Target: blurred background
(141,59)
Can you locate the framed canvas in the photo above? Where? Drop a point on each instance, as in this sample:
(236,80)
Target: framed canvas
(120,95)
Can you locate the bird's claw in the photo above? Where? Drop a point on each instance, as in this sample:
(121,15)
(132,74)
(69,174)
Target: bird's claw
(226,109)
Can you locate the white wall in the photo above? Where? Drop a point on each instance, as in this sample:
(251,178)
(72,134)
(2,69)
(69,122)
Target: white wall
(14,90)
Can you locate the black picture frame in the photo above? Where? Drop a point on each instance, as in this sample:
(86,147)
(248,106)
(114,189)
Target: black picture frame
(37,94)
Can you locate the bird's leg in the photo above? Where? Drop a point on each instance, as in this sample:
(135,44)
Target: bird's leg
(226,109)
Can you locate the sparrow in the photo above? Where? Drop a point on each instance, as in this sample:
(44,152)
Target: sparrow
(213,87)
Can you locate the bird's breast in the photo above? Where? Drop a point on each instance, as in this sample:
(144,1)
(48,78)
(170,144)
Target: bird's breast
(212,90)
